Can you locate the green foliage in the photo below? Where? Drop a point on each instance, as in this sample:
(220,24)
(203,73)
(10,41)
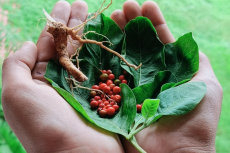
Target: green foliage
(149,80)
(152,89)
(81,103)
(172,84)
(182,58)
(8,141)
(149,107)
(103,59)
(142,46)
(208,20)
(181,99)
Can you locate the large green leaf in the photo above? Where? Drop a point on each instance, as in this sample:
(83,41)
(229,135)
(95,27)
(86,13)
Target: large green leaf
(180,100)
(182,58)
(55,74)
(152,89)
(141,45)
(103,29)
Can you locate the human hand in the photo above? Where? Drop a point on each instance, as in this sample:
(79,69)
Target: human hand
(41,119)
(193,132)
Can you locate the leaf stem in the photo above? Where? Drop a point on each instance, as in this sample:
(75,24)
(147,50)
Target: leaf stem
(135,144)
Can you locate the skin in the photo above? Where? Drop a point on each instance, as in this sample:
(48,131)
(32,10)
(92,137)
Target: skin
(44,122)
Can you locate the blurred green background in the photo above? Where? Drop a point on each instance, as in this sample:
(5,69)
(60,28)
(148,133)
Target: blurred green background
(208,20)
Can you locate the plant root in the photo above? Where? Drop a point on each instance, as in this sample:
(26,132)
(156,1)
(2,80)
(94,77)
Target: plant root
(61,34)
(58,30)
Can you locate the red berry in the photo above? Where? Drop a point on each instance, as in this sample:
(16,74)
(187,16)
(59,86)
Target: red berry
(111,77)
(106,90)
(107,106)
(97,98)
(93,104)
(101,105)
(93,93)
(116,107)
(112,103)
(117,98)
(102,96)
(112,86)
(102,113)
(109,82)
(139,106)
(95,87)
(102,86)
(121,77)
(98,110)
(108,72)
(112,96)
(125,72)
(124,81)
(104,77)
(117,82)
(99,102)
(103,99)
(110,93)
(98,93)
(106,103)
(100,83)
(110,111)
(92,99)
(116,90)
(103,71)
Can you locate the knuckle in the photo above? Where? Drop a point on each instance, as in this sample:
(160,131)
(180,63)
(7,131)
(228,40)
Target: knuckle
(7,61)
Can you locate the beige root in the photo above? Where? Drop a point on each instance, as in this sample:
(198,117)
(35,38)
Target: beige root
(58,30)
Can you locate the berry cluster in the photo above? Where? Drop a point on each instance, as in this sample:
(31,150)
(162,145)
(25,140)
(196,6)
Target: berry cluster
(106,96)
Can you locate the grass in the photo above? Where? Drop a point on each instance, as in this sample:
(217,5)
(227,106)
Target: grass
(207,19)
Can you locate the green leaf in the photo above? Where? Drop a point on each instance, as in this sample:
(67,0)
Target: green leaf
(182,58)
(79,102)
(142,45)
(8,141)
(152,89)
(180,100)
(170,85)
(149,107)
(105,30)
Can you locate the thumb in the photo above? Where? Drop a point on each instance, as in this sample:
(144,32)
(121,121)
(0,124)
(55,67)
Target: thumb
(17,68)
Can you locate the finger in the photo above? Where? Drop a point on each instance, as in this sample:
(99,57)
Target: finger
(45,44)
(79,13)
(151,10)
(17,67)
(131,9)
(119,17)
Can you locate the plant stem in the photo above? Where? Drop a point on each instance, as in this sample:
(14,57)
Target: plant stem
(135,144)
(133,132)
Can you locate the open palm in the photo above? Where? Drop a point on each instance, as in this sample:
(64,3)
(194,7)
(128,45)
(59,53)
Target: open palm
(193,132)
(44,122)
